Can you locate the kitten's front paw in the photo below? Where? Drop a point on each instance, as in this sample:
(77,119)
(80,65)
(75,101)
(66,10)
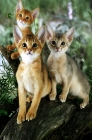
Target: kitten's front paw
(15,55)
(20,118)
(62,98)
(29,99)
(83,105)
(10,47)
(52,96)
(31,114)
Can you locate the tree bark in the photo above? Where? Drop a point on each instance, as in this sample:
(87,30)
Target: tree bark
(7,54)
(54,121)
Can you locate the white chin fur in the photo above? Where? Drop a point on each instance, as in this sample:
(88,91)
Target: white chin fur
(29,58)
(21,25)
(58,53)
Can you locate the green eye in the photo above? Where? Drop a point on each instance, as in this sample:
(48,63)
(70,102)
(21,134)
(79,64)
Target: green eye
(53,43)
(34,45)
(63,43)
(24,45)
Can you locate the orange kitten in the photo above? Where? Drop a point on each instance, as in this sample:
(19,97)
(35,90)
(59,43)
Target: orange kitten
(24,19)
(63,69)
(32,76)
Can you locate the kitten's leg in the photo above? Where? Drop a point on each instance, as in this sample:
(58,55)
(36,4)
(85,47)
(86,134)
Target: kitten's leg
(15,55)
(31,114)
(85,98)
(11,47)
(65,91)
(22,105)
(53,93)
(29,98)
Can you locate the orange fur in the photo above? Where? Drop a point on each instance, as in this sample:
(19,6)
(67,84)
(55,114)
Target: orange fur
(63,69)
(32,76)
(24,19)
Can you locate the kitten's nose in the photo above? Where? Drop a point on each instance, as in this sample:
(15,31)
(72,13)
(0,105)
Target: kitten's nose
(23,20)
(57,48)
(29,50)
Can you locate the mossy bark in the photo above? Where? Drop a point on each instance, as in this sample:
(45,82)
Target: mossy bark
(7,54)
(54,121)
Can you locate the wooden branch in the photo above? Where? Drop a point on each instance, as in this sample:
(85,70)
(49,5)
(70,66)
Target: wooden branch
(78,128)
(50,116)
(7,54)
(54,119)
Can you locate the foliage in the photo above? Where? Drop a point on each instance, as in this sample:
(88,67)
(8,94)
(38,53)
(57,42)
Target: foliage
(8,90)
(6,36)
(3,113)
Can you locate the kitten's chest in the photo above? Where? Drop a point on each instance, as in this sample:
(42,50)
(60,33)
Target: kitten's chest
(28,84)
(56,69)
(55,65)
(27,78)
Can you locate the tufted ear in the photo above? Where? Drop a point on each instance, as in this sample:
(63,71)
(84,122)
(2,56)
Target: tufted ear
(35,13)
(17,34)
(49,32)
(19,6)
(70,34)
(41,34)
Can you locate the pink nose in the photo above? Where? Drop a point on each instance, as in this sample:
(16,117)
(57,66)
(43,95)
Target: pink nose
(57,48)
(22,21)
(29,50)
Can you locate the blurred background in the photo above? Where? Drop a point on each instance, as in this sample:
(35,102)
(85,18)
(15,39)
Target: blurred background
(61,15)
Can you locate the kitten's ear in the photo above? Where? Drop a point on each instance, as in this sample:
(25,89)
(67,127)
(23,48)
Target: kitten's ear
(19,6)
(17,34)
(70,34)
(35,13)
(41,34)
(49,32)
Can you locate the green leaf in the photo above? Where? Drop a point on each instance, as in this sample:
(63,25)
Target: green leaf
(3,113)
(9,15)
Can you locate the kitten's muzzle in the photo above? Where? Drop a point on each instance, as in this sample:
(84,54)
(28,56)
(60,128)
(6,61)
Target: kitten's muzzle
(23,22)
(29,52)
(57,49)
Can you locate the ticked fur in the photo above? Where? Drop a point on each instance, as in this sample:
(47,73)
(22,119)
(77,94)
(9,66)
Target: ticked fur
(63,69)
(32,76)
(24,19)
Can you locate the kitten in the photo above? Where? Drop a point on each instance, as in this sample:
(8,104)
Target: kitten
(32,76)
(24,19)
(63,69)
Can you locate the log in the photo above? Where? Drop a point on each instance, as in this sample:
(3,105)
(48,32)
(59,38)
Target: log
(50,116)
(78,128)
(54,121)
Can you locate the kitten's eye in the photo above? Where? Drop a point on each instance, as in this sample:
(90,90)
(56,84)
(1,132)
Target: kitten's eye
(20,15)
(27,18)
(34,45)
(63,43)
(24,45)
(53,43)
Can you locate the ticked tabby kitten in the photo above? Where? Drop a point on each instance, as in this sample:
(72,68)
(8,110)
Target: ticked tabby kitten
(32,76)
(63,69)
(24,19)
